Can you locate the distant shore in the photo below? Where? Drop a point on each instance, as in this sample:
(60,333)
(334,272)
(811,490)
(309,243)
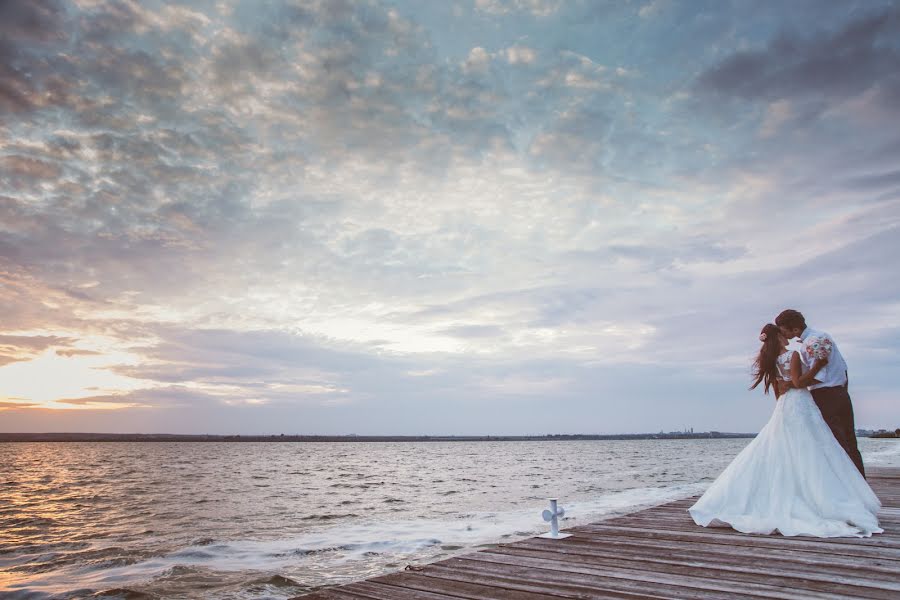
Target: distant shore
(165,437)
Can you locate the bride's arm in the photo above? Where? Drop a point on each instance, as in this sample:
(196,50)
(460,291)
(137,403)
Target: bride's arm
(808,378)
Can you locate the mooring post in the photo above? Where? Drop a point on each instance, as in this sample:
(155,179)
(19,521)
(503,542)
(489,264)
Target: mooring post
(553,515)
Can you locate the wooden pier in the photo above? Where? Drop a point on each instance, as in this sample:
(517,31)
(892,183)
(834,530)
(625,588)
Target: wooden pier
(660,553)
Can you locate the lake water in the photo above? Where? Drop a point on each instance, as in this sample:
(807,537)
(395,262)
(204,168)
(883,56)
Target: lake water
(274,520)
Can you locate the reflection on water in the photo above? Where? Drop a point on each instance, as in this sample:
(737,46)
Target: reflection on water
(272,520)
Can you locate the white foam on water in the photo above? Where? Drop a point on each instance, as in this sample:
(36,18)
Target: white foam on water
(354,541)
(343,545)
(881,452)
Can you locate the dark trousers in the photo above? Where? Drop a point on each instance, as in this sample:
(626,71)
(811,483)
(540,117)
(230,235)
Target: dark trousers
(834,404)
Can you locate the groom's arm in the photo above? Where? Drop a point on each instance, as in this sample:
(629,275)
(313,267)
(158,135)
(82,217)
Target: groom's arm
(782,386)
(799,379)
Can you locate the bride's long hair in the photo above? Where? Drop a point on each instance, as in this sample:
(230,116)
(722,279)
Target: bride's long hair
(765,368)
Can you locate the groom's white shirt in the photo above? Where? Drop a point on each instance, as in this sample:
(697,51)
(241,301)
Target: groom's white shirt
(835,372)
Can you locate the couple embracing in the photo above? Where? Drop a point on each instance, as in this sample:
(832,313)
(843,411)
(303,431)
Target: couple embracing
(802,474)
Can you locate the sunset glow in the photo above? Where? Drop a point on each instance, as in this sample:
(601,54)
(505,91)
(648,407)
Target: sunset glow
(384,217)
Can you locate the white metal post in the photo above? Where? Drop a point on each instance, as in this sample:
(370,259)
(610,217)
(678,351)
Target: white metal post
(552,516)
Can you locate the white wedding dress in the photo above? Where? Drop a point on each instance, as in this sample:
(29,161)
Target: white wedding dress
(793,478)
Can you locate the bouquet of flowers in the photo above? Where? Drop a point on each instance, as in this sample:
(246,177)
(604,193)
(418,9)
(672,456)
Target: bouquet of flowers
(817,347)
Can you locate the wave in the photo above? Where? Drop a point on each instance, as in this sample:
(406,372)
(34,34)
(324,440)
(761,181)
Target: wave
(881,452)
(349,546)
(341,545)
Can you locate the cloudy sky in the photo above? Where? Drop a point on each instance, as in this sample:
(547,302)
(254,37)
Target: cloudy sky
(461,217)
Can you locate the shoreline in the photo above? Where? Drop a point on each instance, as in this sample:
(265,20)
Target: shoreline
(165,437)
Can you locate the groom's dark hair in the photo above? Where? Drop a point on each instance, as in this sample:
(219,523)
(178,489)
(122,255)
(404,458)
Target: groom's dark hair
(792,319)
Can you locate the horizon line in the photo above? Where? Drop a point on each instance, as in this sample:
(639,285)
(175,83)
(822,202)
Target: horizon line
(100,436)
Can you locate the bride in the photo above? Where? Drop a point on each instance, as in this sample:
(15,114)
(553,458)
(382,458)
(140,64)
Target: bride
(794,477)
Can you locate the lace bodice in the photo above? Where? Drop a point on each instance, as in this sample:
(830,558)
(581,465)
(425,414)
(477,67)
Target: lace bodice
(784,365)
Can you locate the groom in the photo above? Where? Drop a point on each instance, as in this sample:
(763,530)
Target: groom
(831,395)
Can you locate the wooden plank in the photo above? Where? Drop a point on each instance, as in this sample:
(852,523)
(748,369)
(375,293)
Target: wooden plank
(684,582)
(502,577)
(748,570)
(722,552)
(593,583)
(886,514)
(684,518)
(375,590)
(338,593)
(659,552)
(486,589)
(888,540)
(731,537)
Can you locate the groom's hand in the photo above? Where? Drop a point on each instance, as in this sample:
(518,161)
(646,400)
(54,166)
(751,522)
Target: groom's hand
(783,386)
